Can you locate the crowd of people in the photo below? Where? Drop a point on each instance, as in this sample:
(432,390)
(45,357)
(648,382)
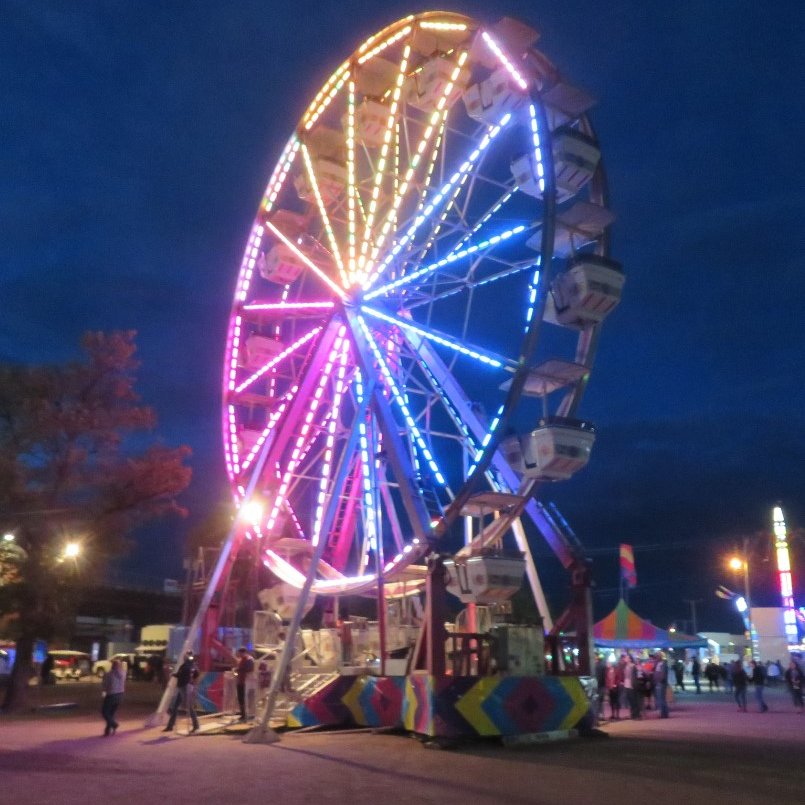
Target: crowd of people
(634,685)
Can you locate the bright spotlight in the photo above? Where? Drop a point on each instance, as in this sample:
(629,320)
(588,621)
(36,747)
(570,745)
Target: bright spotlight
(71,550)
(252,512)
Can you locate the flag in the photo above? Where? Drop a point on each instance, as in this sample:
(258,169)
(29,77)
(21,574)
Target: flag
(628,573)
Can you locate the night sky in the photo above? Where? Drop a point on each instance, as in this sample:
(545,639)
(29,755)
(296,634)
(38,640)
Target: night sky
(136,140)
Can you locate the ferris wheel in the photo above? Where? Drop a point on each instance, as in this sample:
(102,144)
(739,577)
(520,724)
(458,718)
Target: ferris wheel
(441,199)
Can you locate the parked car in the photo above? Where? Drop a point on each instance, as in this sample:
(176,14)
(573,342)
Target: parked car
(70,664)
(102,667)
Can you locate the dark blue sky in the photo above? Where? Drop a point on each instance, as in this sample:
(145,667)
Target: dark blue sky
(136,139)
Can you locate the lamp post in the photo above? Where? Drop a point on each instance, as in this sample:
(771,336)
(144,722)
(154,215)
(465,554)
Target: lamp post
(738,563)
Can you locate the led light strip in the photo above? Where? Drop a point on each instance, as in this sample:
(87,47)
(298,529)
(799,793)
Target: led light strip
(332,421)
(325,95)
(277,359)
(450,258)
(532,295)
(272,420)
(537,148)
(323,212)
(484,219)
(383,45)
(381,162)
(435,118)
(281,169)
(398,398)
(307,261)
(366,470)
(504,60)
(443,26)
(289,306)
(435,337)
(351,188)
(466,166)
(485,441)
(296,454)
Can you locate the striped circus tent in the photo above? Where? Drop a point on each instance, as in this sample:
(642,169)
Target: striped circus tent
(624,628)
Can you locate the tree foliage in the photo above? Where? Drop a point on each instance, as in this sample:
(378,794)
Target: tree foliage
(78,463)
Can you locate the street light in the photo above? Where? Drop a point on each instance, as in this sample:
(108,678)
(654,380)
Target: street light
(737,563)
(71,550)
(9,537)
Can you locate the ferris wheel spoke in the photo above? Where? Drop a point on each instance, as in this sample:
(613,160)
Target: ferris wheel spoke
(447,260)
(306,260)
(435,123)
(328,227)
(301,443)
(276,361)
(401,466)
(380,169)
(436,202)
(483,356)
(332,421)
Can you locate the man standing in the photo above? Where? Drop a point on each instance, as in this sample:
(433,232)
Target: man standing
(186,675)
(739,681)
(695,671)
(758,679)
(661,684)
(244,667)
(112,687)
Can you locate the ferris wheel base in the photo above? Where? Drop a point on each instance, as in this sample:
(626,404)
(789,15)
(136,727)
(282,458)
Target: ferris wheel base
(451,706)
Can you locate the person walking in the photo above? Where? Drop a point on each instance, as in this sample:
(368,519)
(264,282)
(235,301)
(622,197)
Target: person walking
(695,672)
(794,678)
(112,688)
(661,684)
(613,691)
(758,679)
(679,674)
(601,681)
(244,667)
(186,675)
(630,687)
(739,681)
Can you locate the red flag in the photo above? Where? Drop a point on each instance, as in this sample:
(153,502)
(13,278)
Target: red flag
(628,573)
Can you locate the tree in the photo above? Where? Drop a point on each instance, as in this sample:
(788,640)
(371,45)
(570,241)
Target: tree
(77,465)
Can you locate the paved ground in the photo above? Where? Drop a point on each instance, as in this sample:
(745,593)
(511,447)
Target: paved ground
(706,752)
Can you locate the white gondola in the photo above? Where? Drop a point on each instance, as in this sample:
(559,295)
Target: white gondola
(371,122)
(575,158)
(259,350)
(280,264)
(576,226)
(586,293)
(331,180)
(428,85)
(328,158)
(485,579)
(554,451)
(564,102)
(489,100)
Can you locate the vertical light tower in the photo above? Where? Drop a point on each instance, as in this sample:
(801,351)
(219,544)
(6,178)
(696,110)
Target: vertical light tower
(784,575)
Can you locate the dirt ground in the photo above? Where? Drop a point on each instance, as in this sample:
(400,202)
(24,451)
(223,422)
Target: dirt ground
(707,752)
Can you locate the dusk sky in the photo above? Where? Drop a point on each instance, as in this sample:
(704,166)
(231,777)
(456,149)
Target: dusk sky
(136,140)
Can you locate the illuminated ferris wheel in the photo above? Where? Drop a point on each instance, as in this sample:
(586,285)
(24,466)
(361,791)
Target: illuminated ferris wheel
(440,200)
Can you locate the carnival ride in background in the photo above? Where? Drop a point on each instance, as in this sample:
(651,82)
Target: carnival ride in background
(426,276)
